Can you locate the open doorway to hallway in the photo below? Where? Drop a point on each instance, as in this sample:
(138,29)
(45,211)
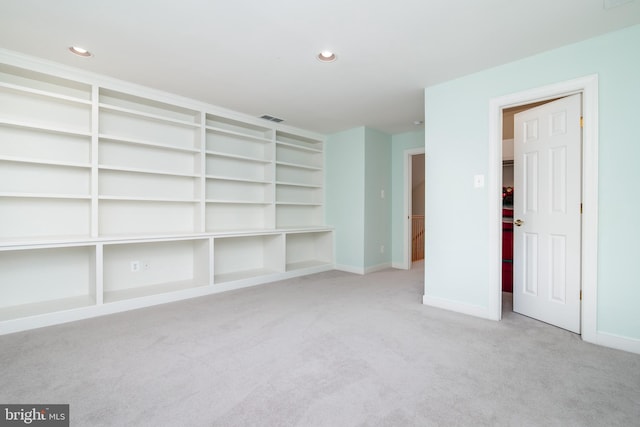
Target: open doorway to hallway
(417,207)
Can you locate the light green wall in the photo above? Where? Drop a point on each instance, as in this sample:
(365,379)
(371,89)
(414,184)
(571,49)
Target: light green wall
(358,166)
(400,143)
(377,218)
(457,147)
(344,186)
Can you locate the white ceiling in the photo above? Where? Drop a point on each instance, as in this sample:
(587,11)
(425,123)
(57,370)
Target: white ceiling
(258,57)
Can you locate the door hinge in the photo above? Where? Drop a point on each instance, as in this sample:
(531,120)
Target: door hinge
(581,122)
(580,208)
(580,295)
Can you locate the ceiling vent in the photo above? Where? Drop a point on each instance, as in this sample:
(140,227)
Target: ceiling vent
(271,118)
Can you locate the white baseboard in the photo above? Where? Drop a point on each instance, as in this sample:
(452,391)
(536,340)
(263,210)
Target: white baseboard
(378,267)
(632,345)
(459,307)
(362,270)
(618,342)
(350,269)
(399,265)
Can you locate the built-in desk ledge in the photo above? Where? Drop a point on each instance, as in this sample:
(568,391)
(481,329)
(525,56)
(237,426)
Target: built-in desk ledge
(64,241)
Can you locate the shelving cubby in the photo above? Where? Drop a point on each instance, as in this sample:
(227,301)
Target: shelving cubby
(239,188)
(309,249)
(45,155)
(40,281)
(299,179)
(238,258)
(162,266)
(149,166)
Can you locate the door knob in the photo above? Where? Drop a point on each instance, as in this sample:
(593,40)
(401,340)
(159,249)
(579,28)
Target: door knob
(518,222)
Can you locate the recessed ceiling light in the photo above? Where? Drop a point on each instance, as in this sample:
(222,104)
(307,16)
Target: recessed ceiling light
(326,56)
(77,50)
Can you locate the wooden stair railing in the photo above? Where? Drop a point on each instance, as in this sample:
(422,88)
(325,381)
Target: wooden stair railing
(417,237)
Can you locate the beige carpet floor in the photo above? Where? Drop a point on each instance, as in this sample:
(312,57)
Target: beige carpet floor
(332,349)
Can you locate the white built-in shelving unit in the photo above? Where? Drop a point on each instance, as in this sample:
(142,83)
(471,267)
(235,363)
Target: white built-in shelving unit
(115,196)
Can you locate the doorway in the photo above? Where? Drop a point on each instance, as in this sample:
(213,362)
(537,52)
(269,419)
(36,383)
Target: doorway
(417,207)
(588,87)
(414,209)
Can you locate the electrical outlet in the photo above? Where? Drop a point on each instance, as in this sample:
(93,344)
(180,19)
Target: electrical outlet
(146,265)
(135,266)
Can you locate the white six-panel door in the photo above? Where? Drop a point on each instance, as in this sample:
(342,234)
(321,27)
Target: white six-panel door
(547,197)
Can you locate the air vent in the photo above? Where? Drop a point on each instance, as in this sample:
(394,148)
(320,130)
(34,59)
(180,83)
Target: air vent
(271,118)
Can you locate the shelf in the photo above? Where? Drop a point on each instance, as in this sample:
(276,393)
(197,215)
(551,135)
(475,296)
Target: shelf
(236,157)
(156,117)
(148,199)
(296,184)
(45,162)
(39,242)
(235,202)
(294,229)
(44,196)
(133,141)
(242,275)
(229,178)
(44,93)
(42,128)
(299,147)
(298,166)
(298,204)
(51,306)
(238,134)
(146,171)
(306,264)
(145,291)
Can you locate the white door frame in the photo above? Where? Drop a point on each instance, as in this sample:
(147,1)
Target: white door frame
(408,206)
(588,86)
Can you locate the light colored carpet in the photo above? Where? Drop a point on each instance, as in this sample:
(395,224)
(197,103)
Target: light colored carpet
(332,349)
